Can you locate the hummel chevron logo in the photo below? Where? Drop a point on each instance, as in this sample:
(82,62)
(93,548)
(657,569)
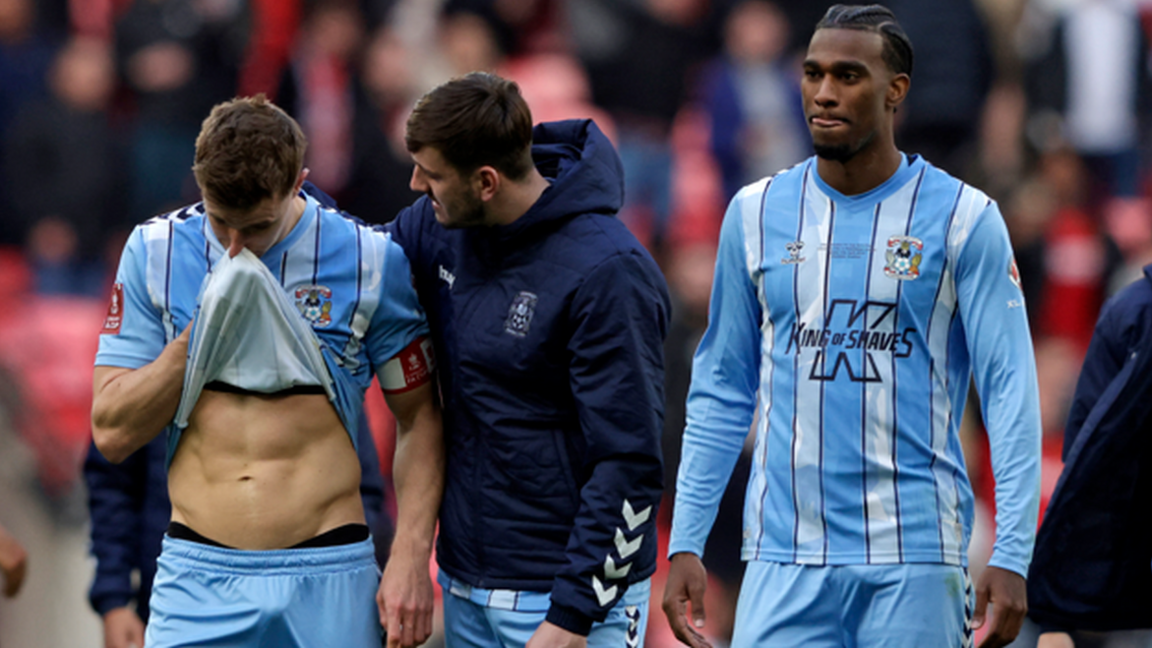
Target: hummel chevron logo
(605,596)
(632,639)
(634,519)
(624,547)
(611,571)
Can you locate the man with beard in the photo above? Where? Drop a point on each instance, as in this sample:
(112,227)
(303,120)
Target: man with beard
(548,320)
(855,295)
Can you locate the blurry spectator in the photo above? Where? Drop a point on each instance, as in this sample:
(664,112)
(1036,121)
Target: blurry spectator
(1128,222)
(469,43)
(639,54)
(25,57)
(65,161)
(1091,568)
(13,563)
(1089,86)
(556,87)
(318,89)
(381,167)
(1028,212)
(518,26)
(274,27)
(954,71)
(753,98)
(1078,259)
(178,58)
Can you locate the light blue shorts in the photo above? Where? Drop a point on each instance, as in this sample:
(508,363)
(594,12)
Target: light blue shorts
(850,606)
(483,618)
(307,598)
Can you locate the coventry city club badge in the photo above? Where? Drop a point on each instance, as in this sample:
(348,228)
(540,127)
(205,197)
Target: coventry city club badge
(315,304)
(520,314)
(903,256)
(794,249)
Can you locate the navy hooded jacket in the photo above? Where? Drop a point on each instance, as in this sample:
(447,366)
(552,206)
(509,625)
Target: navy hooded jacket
(549,338)
(1092,568)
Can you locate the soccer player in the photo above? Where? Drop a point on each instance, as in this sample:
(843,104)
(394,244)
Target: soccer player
(548,319)
(249,325)
(855,295)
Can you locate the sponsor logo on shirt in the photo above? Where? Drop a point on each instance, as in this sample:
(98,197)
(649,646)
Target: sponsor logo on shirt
(447,277)
(849,340)
(115,315)
(315,304)
(520,314)
(903,256)
(794,249)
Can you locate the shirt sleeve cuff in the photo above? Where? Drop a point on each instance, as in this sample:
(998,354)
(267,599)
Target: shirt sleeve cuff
(570,619)
(106,603)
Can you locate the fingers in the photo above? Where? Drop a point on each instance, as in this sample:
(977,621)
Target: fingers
(981,606)
(696,598)
(677,596)
(408,622)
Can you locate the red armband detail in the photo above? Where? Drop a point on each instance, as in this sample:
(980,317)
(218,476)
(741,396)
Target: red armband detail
(408,369)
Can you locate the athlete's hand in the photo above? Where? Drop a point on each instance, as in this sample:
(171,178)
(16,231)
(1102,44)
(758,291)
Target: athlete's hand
(13,563)
(686,583)
(1008,593)
(1055,640)
(553,636)
(123,629)
(405,599)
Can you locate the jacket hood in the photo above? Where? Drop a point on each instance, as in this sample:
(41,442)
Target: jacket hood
(583,168)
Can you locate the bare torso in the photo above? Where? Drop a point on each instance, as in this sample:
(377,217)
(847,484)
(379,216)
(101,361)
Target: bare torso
(264,472)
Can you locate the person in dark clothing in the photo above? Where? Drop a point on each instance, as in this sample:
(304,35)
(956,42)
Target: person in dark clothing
(548,320)
(1091,569)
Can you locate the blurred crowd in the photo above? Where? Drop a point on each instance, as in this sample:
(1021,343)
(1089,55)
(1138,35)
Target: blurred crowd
(1044,104)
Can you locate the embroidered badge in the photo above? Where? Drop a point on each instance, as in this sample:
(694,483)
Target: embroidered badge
(520,314)
(1014,274)
(315,304)
(794,249)
(115,314)
(903,256)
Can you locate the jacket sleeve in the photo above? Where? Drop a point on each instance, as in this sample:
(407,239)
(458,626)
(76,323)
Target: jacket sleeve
(115,492)
(620,318)
(1104,359)
(1004,367)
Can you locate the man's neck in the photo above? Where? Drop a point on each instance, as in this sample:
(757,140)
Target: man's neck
(867,170)
(516,198)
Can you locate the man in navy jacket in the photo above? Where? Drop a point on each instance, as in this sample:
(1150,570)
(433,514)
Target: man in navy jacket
(1092,568)
(548,319)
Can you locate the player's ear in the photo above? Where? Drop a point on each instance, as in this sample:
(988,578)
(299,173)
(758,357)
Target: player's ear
(300,180)
(897,89)
(487,182)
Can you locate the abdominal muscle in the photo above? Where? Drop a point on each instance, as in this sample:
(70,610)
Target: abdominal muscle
(264,472)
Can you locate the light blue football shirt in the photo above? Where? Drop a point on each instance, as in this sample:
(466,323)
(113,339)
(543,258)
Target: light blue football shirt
(352,282)
(848,327)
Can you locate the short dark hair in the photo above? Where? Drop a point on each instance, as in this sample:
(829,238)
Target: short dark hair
(475,120)
(897,52)
(248,150)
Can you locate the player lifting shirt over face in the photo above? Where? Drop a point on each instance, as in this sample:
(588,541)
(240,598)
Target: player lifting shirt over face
(249,326)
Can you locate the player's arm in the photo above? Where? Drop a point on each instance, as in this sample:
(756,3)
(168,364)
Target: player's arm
(398,345)
(131,406)
(138,378)
(721,403)
(13,563)
(996,325)
(406,596)
(114,493)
